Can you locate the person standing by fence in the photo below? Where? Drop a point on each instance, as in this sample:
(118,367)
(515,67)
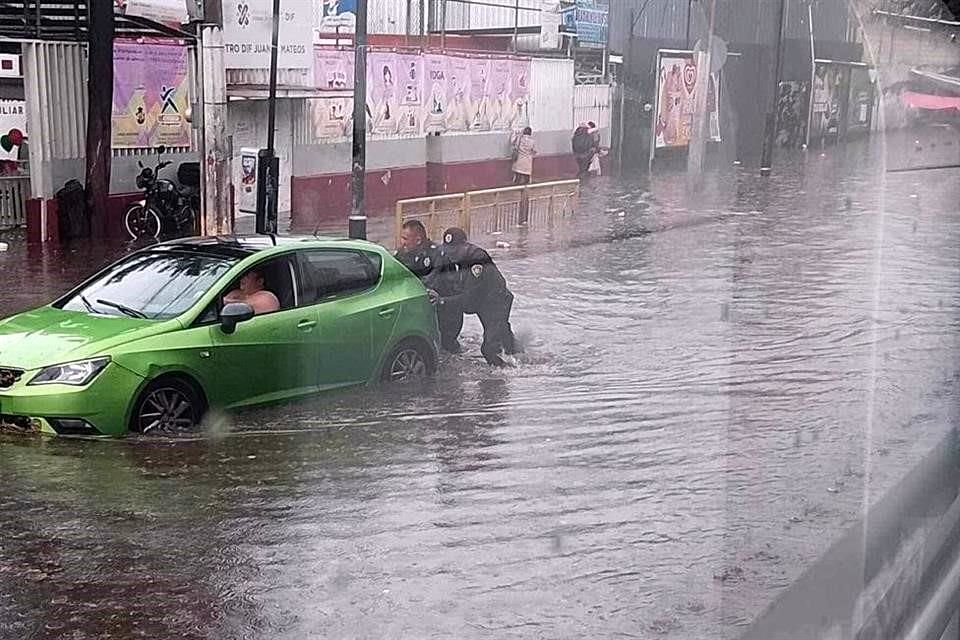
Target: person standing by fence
(524,150)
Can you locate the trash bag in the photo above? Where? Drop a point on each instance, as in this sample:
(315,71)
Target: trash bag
(73,220)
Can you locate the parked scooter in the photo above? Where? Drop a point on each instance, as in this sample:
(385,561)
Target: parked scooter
(166,209)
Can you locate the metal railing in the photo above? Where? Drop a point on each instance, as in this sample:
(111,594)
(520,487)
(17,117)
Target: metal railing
(14,193)
(531,207)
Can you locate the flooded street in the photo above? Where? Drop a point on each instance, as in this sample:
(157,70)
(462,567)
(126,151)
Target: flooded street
(716,382)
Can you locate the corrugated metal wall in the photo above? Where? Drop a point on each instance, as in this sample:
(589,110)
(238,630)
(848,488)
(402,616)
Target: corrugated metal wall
(737,21)
(487,17)
(551,94)
(591,103)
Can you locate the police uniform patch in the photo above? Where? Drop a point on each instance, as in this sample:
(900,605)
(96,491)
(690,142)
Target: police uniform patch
(426,262)
(476,270)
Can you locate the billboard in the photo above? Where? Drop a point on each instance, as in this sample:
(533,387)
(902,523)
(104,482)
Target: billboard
(676,92)
(416,94)
(589,20)
(248,34)
(150,95)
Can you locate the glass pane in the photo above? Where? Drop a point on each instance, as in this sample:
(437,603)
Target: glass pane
(156,286)
(327,273)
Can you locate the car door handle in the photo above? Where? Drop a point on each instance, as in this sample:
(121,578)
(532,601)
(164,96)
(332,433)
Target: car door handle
(387,313)
(306,325)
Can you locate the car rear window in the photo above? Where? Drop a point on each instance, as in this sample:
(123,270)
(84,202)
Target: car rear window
(331,272)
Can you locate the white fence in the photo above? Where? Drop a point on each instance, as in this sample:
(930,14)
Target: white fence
(14,192)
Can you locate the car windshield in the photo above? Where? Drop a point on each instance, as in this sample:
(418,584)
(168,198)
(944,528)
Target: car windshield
(152,285)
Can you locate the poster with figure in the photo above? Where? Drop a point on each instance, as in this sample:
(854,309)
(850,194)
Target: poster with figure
(829,92)
(676,81)
(382,85)
(792,109)
(480,94)
(520,93)
(500,107)
(459,108)
(860,101)
(435,107)
(150,95)
(675,101)
(333,69)
(410,71)
(332,118)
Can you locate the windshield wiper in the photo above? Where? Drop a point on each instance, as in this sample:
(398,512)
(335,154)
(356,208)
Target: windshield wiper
(133,313)
(86,303)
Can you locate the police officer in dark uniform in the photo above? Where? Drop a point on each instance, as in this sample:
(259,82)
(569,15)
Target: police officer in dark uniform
(424,258)
(478,288)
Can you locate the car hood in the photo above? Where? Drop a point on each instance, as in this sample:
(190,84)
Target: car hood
(48,336)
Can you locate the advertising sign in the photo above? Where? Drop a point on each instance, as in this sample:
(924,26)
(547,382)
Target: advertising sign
(860,102)
(676,92)
(150,95)
(167,11)
(333,69)
(550,21)
(414,94)
(13,115)
(337,16)
(588,19)
(830,86)
(248,33)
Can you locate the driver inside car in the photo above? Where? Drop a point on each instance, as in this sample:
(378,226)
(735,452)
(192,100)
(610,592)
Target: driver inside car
(253,292)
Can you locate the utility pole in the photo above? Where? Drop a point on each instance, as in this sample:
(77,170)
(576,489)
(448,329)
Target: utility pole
(771,125)
(268,162)
(699,134)
(99,150)
(358,217)
(216,217)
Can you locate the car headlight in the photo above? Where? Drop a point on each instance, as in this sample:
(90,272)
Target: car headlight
(74,373)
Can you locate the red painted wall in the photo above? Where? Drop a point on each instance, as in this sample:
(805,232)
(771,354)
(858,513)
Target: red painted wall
(113,221)
(325,198)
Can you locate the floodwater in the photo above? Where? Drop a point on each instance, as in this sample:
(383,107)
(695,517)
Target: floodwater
(717,380)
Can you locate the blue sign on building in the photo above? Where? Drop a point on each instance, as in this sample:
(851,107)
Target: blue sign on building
(588,19)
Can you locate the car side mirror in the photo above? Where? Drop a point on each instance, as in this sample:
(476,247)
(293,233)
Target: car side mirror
(233,314)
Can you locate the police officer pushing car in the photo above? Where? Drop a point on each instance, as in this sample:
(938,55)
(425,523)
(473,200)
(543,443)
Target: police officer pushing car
(424,258)
(478,288)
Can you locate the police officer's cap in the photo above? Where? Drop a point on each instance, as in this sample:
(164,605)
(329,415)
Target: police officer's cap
(454,235)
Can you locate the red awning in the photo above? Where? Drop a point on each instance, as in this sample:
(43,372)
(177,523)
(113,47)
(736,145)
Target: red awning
(915,100)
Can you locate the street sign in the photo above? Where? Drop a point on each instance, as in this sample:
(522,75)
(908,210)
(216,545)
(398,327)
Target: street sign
(248,31)
(166,11)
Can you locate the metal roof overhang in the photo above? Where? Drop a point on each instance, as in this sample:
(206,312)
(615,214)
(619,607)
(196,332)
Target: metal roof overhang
(67,20)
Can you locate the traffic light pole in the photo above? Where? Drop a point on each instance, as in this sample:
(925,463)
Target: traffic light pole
(269,163)
(771,125)
(358,217)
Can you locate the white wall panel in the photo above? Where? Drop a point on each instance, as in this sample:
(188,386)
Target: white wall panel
(551,94)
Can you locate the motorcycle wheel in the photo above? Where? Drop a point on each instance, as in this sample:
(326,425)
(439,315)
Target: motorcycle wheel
(142,222)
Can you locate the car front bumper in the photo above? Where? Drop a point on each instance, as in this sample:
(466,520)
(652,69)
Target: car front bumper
(99,408)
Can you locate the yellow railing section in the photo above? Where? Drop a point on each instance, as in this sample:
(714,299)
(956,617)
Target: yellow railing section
(491,211)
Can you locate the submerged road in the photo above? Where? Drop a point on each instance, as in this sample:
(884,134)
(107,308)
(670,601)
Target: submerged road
(716,382)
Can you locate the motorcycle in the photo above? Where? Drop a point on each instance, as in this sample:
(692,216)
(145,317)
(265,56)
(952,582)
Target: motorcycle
(166,208)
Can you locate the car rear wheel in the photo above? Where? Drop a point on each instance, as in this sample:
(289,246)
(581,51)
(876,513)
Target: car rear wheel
(169,406)
(409,361)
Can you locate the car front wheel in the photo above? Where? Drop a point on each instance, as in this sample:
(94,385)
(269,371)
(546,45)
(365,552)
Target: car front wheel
(168,406)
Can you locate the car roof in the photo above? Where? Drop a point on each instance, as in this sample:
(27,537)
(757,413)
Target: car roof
(240,247)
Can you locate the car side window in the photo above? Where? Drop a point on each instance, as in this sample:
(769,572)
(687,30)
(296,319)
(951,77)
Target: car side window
(328,273)
(279,278)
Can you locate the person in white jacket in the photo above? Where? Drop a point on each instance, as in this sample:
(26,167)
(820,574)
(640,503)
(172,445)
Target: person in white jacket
(524,150)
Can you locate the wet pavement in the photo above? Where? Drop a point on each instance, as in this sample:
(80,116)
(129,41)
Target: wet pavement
(717,380)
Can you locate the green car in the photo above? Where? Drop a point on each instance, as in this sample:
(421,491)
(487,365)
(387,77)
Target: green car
(149,343)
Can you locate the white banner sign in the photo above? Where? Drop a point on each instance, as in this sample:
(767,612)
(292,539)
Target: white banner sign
(168,11)
(550,20)
(248,31)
